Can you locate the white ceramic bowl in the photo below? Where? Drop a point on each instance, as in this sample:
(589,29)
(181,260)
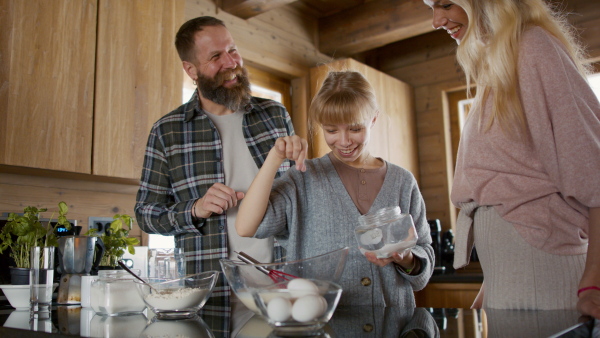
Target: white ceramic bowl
(18,295)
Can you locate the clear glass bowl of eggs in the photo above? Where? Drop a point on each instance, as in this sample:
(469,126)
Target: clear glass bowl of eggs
(295,297)
(297,306)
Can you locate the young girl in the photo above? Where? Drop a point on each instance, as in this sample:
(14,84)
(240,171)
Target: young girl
(317,204)
(526,176)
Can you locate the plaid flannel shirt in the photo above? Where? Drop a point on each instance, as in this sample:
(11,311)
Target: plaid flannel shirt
(183,160)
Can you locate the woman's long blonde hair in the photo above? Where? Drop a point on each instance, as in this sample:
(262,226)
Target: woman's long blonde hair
(489,51)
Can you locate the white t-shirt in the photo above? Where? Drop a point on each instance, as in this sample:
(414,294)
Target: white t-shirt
(240,170)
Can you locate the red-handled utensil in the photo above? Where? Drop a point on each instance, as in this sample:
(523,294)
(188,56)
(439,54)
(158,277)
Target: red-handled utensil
(275,275)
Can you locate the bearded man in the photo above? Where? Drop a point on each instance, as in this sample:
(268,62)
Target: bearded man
(202,157)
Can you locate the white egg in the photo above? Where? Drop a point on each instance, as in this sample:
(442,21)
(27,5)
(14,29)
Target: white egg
(323,304)
(308,308)
(279,309)
(371,237)
(300,287)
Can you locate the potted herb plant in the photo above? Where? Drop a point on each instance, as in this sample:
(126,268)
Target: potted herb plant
(116,240)
(22,232)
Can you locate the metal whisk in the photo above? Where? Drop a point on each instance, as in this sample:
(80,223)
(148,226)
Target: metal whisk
(275,275)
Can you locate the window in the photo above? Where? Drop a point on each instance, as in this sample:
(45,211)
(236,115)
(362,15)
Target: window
(463,111)
(160,241)
(595,83)
(266,93)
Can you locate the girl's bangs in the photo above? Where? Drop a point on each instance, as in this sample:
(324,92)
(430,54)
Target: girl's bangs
(344,110)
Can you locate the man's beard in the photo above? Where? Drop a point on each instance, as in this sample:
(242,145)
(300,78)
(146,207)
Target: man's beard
(233,98)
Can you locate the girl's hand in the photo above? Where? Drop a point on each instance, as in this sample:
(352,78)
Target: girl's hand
(293,148)
(405,259)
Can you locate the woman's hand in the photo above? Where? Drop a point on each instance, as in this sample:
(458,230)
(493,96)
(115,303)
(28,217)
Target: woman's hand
(405,259)
(589,303)
(293,148)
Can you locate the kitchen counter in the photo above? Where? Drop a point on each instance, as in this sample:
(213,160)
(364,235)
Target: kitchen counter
(69,321)
(451,276)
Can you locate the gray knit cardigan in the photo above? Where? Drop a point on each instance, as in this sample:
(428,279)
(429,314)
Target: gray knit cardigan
(311,213)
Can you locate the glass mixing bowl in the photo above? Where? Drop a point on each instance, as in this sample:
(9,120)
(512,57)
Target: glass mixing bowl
(257,285)
(177,298)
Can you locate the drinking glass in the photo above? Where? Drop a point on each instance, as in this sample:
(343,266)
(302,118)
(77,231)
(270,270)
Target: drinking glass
(41,278)
(167,263)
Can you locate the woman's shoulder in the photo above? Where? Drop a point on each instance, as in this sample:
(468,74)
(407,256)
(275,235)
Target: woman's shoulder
(400,171)
(537,40)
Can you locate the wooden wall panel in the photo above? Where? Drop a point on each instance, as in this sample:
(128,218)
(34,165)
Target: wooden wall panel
(84,197)
(281,41)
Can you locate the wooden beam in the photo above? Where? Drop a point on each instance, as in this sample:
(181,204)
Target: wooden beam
(371,25)
(246,9)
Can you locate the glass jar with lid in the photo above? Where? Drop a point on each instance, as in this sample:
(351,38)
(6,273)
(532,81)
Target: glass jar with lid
(114,294)
(385,231)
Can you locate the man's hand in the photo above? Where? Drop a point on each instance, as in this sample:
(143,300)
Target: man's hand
(293,148)
(217,199)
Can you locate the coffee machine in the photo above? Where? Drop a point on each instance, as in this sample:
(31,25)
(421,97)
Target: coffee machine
(77,256)
(435,229)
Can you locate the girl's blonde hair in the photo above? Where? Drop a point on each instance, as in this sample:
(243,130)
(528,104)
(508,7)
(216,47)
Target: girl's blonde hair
(489,51)
(346,97)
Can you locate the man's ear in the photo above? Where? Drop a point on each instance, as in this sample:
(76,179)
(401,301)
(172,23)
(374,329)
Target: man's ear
(190,70)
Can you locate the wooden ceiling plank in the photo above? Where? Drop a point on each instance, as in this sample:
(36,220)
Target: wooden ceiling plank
(371,25)
(246,9)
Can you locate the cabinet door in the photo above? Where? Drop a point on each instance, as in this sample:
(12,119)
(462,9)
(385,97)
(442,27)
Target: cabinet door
(47,56)
(393,137)
(138,79)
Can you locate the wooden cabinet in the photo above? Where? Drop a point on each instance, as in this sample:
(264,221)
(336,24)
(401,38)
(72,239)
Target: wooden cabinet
(139,78)
(47,60)
(82,81)
(393,137)
(448,295)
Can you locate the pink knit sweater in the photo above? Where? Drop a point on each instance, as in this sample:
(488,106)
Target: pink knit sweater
(546,184)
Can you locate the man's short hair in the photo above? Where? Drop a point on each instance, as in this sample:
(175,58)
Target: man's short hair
(184,40)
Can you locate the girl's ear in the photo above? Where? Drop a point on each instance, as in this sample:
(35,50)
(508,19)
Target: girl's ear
(374,119)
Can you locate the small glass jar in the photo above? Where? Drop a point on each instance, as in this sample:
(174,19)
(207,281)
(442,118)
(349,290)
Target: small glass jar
(115,294)
(385,231)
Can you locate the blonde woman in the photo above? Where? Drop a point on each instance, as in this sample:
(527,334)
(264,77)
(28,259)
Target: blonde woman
(316,205)
(528,168)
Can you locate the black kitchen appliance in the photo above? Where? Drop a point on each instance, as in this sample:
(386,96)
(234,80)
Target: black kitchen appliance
(435,229)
